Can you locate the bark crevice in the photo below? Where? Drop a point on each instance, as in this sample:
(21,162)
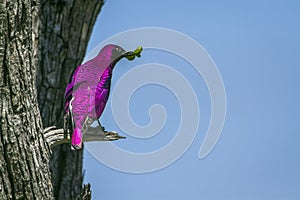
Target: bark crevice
(39,39)
(65,28)
(20,118)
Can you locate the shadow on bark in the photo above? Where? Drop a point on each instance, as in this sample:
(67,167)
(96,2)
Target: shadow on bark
(65,28)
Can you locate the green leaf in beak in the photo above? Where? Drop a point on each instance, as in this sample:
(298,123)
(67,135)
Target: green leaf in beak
(137,52)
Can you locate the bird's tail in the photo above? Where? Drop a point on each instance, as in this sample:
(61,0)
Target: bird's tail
(76,139)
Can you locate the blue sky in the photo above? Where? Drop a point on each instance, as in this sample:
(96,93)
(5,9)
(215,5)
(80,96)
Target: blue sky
(256,47)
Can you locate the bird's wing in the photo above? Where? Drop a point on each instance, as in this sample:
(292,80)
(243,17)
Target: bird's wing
(69,88)
(101,98)
(72,86)
(102,91)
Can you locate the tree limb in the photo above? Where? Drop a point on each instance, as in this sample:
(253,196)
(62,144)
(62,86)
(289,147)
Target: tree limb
(86,193)
(56,136)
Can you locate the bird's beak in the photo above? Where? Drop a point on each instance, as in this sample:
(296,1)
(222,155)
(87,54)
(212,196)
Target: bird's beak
(130,55)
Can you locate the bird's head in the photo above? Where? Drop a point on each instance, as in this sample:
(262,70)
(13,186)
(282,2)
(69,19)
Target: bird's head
(116,53)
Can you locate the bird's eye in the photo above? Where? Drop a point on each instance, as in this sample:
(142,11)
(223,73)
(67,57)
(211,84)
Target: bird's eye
(118,49)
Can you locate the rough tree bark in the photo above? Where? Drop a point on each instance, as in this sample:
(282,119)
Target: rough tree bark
(52,51)
(65,28)
(24,154)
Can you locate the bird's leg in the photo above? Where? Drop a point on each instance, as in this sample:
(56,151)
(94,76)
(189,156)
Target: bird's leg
(102,127)
(86,125)
(66,125)
(66,122)
(69,123)
(110,135)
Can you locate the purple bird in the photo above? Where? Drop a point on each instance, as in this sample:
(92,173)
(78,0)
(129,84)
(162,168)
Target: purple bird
(88,90)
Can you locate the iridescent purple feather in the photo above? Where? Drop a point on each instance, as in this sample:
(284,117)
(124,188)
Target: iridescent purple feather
(88,90)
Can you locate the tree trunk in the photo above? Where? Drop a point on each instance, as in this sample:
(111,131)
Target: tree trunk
(65,28)
(24,154)
(47,38)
